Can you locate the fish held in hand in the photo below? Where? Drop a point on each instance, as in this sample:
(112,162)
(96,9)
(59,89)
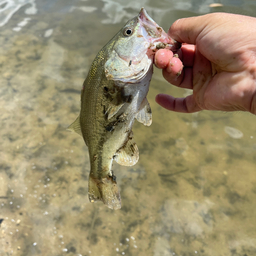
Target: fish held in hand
(113,96)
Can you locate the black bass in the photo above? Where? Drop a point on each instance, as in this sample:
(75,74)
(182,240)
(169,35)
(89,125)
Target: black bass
(113,95)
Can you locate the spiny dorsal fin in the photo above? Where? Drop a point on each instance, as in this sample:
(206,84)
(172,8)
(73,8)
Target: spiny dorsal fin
(128,155)
(144,116)
(75,126)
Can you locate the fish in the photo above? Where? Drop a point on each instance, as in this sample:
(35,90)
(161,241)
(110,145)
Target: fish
(113,96)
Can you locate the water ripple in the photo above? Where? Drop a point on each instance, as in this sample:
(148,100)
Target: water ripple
(9,7)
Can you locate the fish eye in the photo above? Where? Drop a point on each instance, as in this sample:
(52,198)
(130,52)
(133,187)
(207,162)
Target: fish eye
(128,31)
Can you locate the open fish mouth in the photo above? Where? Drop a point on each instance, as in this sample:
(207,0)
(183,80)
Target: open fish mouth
(153,33)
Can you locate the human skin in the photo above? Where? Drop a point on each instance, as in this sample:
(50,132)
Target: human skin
(219,58)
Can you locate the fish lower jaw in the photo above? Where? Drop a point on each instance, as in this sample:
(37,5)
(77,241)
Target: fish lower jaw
(160,45)
(154,46)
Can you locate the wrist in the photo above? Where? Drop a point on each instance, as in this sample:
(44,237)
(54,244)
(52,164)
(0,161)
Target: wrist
(252,108)
(253,104)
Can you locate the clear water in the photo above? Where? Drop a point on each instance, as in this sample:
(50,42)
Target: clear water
(193,190)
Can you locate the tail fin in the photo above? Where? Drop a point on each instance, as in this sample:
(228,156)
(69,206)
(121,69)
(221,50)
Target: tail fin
(105,190)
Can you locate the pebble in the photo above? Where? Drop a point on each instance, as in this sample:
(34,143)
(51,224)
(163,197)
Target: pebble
(48,32)
(215,5)
(233,132)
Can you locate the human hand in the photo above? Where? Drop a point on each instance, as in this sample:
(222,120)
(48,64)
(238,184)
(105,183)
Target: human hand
(219,60)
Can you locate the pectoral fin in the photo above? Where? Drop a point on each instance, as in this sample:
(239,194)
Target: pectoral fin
(144,116)
(112,110)
(75,126)
(128,155)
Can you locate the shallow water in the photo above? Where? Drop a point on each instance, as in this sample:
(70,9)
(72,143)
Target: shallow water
(193,190)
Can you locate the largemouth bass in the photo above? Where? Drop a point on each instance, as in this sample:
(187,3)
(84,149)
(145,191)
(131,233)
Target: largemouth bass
(113,95)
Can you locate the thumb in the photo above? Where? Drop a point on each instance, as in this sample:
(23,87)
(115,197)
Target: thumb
(187,30)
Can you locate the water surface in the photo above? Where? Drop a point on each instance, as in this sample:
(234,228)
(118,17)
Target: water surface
(193,190)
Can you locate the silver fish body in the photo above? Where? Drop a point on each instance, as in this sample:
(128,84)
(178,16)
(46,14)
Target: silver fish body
(113,96)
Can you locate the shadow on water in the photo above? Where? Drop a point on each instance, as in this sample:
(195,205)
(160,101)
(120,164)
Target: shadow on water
(191,193)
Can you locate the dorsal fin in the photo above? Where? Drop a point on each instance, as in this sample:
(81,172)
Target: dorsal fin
(75,126)
(128,155)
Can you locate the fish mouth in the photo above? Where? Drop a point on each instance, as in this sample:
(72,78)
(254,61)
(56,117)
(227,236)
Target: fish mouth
(151,27)
(154,34)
